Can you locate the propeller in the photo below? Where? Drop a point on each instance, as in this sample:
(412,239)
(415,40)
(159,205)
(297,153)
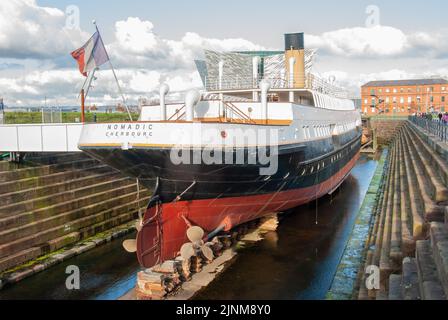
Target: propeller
(195,233)
(207,252)
(187,250)
(130,245)
(196,245)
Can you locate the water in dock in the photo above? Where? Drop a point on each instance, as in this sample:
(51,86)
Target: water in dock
(298,261)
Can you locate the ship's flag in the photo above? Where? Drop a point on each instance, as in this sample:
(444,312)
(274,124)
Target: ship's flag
(91,55)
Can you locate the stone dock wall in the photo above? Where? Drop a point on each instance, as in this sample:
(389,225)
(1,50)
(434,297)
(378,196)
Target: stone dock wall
(407,245)
(54,201)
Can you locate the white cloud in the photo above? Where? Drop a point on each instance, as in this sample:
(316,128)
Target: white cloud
(137,45)
(30,31)
(33,40)
(378,41)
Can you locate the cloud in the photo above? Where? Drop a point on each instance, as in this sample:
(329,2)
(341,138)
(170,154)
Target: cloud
(143,61)
(35,62)
(378,41)
(31,31)
(353,81)
(137,45)
(63,86)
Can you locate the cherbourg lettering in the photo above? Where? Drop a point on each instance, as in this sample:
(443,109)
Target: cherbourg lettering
(129,130)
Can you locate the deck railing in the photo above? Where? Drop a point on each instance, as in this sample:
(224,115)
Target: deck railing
(435,127)
(311,81)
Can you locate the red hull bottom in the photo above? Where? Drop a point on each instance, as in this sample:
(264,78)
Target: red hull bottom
(164,229)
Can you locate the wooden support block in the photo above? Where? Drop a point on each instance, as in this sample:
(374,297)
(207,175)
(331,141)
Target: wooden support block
(169,266)
(150,285)
(269,223)
(185,265)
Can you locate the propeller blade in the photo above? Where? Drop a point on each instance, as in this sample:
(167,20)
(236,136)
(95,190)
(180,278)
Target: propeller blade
(195,233)
(207,252)
(187,250)
(130,245)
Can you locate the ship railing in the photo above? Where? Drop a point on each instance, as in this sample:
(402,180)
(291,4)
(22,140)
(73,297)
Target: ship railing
(178,114)
(234,110)
(310,82)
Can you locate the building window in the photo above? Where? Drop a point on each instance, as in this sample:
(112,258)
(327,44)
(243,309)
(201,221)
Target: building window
(443,88)
(419,99)
(387,90)
(395,90)
(409,90)
(432,99)
(418,89)
(443,99)
(366,101)
(387,99)
(380,90)
(409,99)
(394,99)
(401,90)
(401,100)
(372,91)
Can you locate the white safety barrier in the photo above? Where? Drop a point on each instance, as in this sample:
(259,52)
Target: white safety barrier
(40,137)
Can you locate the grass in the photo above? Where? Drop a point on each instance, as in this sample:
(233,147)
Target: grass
(67,117)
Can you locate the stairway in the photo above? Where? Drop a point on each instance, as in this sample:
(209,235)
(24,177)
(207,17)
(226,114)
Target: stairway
(409,238)
(56,200)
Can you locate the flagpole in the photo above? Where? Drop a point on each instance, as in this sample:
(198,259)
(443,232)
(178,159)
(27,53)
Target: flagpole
(116,80)
(90,78)
(119,89)
(85,80)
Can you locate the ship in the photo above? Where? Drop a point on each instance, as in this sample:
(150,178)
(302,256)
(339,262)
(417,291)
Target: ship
(264,136)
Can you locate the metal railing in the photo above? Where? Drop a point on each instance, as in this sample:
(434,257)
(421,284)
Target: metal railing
(434,127)
(311,81)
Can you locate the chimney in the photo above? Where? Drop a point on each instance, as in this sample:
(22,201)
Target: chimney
(295,59)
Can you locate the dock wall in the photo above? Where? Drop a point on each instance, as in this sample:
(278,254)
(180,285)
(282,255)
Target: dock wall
(54,201)
(408,237)
(386,128)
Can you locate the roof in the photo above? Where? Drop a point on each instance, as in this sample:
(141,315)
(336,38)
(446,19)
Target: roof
(260,53)
(409,82)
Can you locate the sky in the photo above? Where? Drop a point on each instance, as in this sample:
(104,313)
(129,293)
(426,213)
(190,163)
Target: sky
(151,42)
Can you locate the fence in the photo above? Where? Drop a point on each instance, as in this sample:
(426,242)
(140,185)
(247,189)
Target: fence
(40,137)
(432,126)
(51,115)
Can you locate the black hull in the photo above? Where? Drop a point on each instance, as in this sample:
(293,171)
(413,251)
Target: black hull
(299,166)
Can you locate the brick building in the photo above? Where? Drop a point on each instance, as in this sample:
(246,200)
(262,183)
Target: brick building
(403,97)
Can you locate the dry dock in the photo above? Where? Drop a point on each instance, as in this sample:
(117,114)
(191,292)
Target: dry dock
(299,259)
(396,221)
(408,239)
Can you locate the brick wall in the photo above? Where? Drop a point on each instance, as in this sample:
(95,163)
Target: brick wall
(386,129)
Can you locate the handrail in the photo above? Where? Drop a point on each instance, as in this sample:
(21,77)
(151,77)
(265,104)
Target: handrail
(239,112)
(435,127)
(312,82)
(176,113)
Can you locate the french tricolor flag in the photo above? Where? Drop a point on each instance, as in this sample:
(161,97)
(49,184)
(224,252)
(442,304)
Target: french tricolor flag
(91,55)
